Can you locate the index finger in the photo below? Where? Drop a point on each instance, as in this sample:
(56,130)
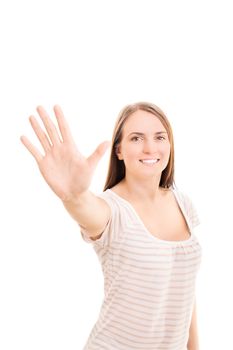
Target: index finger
(62,124)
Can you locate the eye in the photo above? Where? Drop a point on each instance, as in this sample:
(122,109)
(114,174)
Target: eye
(136,138)
(161,137)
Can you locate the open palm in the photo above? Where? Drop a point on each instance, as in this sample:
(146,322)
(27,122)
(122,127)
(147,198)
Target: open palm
(64,168)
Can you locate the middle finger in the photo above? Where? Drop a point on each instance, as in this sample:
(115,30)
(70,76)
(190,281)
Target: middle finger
(49,125)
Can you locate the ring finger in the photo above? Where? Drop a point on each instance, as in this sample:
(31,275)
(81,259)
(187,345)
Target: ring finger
(44,140)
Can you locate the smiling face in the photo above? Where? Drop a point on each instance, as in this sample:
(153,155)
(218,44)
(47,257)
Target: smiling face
(145,146)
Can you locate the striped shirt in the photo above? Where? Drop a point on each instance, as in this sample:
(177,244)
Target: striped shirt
(149,283)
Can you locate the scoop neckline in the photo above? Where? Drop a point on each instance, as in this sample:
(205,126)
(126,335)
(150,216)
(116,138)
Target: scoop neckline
(153,237)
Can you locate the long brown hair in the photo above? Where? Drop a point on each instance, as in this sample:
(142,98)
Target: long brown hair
(116,169)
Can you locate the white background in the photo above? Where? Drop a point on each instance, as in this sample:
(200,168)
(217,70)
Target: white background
(92,58)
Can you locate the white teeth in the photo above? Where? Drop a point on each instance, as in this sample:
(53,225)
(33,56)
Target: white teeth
(149,161)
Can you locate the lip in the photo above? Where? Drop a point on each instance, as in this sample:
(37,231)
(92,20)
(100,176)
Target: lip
(149,159)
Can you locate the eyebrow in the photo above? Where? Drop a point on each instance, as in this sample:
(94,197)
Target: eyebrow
(141,133)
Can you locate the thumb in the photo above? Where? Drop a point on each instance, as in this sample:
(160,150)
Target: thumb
(95,157)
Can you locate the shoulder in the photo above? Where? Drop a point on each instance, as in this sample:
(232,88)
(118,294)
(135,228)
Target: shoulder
(184,197)
(112,199)
(189,206)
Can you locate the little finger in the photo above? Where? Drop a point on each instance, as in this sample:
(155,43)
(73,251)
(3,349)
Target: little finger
(31,148)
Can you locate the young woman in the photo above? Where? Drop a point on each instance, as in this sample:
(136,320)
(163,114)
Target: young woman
(141,228)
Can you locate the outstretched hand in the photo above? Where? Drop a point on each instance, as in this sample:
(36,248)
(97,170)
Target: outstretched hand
(63,167)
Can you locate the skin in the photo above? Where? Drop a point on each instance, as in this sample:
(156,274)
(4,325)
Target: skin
(69,173)
(141,183)
(142,180)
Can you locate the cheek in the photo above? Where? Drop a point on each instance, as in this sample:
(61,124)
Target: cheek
(165,148)
(130,151)
(129,154)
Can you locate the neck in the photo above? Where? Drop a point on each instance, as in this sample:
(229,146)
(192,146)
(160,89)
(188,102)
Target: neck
(138,189)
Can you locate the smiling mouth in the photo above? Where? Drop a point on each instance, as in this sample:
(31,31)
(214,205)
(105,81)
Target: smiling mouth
(149,161)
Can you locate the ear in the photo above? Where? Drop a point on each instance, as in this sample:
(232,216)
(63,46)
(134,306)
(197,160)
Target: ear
(118,151)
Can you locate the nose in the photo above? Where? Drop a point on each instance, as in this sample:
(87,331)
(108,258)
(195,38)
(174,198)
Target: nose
(149,146)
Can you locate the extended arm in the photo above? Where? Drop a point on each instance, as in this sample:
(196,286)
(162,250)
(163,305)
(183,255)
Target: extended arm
(67,172)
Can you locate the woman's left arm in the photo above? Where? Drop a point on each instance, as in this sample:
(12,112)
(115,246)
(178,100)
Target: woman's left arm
(193,343)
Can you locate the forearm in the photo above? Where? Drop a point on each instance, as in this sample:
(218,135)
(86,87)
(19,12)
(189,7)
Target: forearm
(90,211)
(193,341)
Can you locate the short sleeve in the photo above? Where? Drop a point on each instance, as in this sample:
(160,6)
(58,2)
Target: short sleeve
(112,230)
(191,211)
